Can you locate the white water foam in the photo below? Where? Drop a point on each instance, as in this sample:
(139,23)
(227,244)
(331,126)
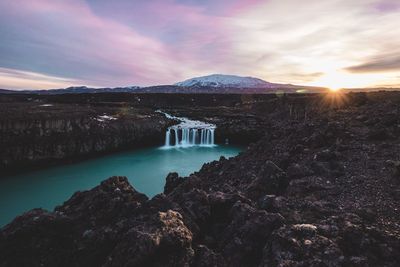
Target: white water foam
(189,133)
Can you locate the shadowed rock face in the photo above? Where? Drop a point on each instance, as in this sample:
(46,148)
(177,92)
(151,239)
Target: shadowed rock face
(34,134)
(315,190)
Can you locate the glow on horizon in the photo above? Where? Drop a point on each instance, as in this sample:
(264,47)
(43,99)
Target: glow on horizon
(339,80)
(14,79)
(335,44)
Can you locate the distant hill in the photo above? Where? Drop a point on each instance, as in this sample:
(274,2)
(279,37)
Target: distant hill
(5,91)
(221,80)
(86,90)
(73,90)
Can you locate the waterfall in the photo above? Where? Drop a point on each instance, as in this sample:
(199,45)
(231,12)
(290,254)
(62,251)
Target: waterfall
(189,133)
(187,137)
(168,138)
(176,137)
(194,136)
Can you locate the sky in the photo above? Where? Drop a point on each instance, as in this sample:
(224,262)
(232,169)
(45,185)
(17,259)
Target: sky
(101,43)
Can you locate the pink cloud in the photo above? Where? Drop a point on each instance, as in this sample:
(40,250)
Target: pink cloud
(72,39)
(99,43)
(15,79)
(243,5)
(190,34)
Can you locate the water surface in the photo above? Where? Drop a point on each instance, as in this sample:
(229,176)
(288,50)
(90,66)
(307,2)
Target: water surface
(146,170)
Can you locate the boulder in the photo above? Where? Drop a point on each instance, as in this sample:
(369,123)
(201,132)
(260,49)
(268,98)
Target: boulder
(242,240)
(171,182)
(301,245)
(270,180)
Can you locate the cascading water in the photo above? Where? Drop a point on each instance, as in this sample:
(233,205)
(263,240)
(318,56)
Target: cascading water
(184,137)
(189,133)
(168,137)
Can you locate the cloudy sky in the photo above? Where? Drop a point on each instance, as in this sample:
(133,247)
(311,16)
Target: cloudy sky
(333,43)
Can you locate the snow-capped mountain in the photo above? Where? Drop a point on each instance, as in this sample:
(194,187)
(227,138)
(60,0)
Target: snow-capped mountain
(221,80)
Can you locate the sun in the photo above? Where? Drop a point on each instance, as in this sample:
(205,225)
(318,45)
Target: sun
(336,80)
(334,89)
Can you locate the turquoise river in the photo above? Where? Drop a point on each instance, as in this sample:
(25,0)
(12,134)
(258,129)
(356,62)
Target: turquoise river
(146,170)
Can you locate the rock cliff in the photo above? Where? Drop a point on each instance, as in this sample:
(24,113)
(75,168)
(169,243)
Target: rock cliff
(34,134)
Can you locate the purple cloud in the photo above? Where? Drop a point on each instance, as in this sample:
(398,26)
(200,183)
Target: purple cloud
(387,6)
(381,63)
(68,36)
(99,42)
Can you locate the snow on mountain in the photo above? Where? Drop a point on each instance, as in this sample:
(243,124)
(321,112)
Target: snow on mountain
(220,80)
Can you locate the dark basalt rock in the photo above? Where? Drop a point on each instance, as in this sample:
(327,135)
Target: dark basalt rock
(161,240)
(171,182)
(295,171)
(315,190)
(379,134)
(395,166)
(242,240)
(270,180)
(204,257)
(326,155)
(113,198)
(300,245)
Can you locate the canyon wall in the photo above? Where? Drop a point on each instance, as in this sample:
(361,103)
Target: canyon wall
(35,134)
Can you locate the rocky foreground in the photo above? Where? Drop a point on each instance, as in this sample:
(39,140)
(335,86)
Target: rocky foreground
(320,188)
